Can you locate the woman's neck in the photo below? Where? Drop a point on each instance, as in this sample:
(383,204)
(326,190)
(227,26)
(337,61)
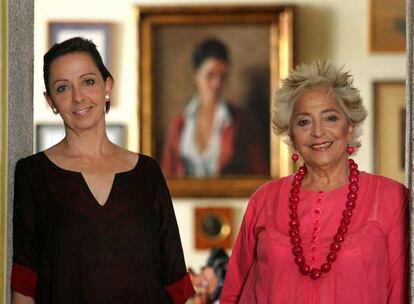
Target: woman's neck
(326,178)
(90,143)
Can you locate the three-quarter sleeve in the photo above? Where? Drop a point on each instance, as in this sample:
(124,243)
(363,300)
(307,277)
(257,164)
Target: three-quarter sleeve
(175,279)
(25,244)
(397,244)
(242,257)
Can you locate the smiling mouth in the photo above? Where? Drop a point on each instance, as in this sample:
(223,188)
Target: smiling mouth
(322,146)
(82,111)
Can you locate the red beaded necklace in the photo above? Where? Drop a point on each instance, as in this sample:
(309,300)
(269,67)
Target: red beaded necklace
(335,247)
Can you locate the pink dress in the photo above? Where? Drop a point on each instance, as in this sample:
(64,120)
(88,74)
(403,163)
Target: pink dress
(372,264)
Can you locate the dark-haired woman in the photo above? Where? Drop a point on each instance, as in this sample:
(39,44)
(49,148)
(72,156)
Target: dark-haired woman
(213,137)
(93,222)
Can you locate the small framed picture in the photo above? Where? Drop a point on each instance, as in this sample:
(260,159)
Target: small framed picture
(48,135)
(213,227)
(389,104)
(387,26)
(99,33)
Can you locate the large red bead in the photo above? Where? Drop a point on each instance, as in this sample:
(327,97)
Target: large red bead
(342,229)
(294,199)
(335,246)
(350,204)
(354,172)
(353,187)
(294,224)
(331,257)
(293,207)
(298,176)
(353,179)
(295,240)
(297,250)
(293,215)
(347,213)
(294,190)
(326,267)
(302,170)
(299,260)
(353,166)
(352,196)
(315,274)
(296,183)
(339,237)
(293,232)
(351,161)
(345,221)
(304,269)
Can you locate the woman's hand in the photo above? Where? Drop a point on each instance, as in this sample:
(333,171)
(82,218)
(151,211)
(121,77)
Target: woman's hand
(18,298)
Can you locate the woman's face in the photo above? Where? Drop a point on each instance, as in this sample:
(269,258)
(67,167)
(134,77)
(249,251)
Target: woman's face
(209,79)
(320,129)
(77,90)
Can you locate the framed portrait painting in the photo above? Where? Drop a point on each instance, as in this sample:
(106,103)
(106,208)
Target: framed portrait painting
(390,110)
(207,76)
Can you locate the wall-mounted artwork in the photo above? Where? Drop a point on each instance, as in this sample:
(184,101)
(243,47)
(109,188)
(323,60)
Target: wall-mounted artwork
(390,129)
(213,227)
(99,33)
(230,150)
(387,25)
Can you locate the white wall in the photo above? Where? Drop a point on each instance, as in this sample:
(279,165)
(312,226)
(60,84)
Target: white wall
(324,29)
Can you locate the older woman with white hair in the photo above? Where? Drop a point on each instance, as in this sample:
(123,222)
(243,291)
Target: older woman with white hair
(328,233)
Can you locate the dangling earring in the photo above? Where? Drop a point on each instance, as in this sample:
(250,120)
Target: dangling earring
(107,103)
(350,149)
(295,157)
(55,111)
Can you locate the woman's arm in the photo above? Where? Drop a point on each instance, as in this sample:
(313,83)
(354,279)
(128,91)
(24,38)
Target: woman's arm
(25,243)
(242,257)
(174,277)
(18,298)
(397,243)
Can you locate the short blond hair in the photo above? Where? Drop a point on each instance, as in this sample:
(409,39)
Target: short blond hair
(318,74)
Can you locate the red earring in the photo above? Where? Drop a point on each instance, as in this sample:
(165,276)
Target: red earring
(350,149)
(295,157)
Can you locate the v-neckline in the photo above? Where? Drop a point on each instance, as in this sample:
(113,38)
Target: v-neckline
(90,193)
(85,185)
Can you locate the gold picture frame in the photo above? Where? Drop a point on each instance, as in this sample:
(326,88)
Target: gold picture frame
(390,111)
(167,36)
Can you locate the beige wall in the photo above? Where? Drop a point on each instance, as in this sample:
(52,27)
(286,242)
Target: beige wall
(324,29)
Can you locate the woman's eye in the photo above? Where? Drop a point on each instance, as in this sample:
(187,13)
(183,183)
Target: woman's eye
(303,122)
(61,88)
(332,118)
(89,82)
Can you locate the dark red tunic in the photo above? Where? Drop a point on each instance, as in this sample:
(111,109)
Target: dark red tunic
(70,249)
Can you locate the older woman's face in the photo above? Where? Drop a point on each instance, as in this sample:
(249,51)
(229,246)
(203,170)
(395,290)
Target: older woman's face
(210,78)
(320,129)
